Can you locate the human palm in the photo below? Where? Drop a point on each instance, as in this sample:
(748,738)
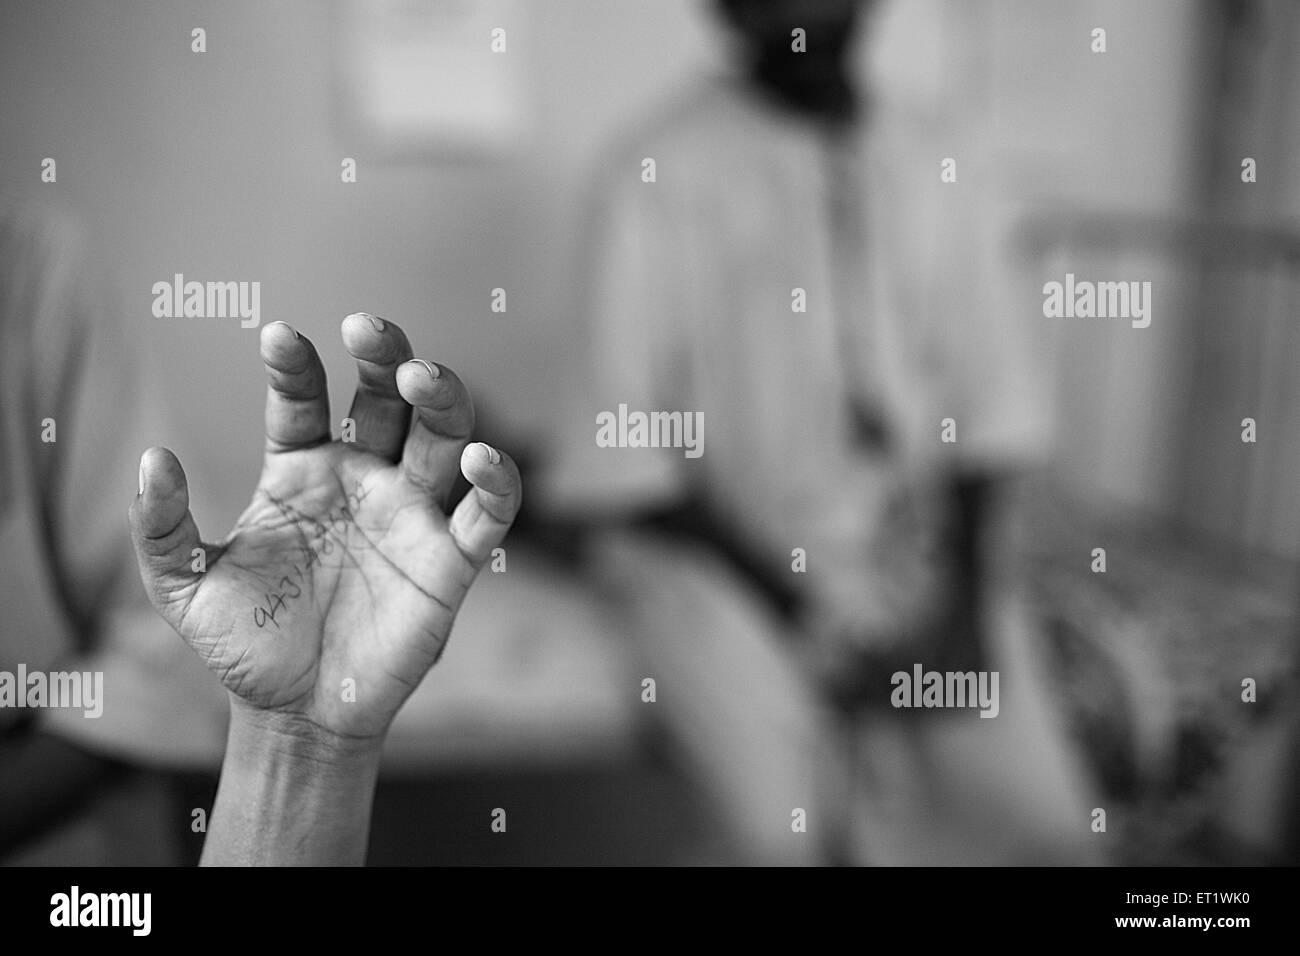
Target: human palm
(336,590)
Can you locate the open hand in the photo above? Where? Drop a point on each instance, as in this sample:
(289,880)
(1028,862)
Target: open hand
(336,590)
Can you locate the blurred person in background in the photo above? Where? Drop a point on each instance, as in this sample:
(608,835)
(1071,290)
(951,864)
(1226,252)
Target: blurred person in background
(823,439)
(75,409)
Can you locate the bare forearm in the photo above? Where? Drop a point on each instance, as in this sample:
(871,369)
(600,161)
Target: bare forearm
(291,795)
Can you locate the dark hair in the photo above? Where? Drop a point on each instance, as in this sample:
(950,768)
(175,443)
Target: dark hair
(817,82)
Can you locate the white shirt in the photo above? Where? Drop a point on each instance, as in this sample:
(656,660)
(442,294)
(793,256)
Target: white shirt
(692,287)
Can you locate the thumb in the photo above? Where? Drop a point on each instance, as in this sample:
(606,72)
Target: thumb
(165,535)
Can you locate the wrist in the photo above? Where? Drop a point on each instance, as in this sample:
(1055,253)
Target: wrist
(291,792)
(290,740)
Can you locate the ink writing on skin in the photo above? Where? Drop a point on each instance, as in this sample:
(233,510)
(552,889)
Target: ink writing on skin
(320,537)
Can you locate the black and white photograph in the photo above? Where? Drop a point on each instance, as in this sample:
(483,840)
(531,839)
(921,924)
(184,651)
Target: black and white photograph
(637,434)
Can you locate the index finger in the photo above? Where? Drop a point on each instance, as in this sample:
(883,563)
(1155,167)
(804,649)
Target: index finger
(297,402)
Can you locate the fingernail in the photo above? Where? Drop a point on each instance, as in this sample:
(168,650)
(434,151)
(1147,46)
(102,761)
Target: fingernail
(141,476)
(289,327)
(375,321)
(434,372)
(493,456)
